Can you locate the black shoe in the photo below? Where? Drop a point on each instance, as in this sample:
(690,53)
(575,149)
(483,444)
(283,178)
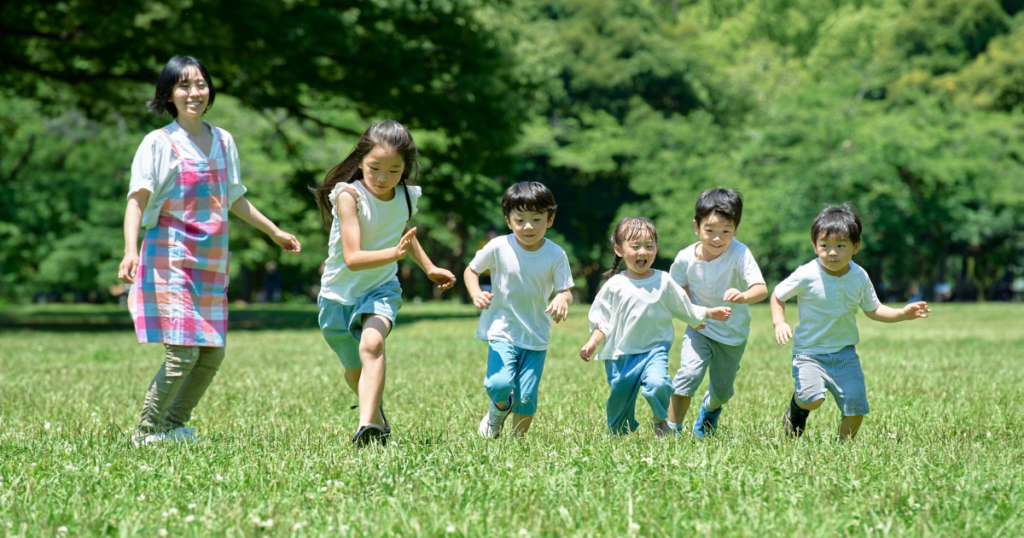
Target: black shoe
(387,425)
(370,434)
(794,420)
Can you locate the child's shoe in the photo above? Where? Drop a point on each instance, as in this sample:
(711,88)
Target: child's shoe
(662,429)
(794,420)
(370,434)
(707,421)
(182,434)
(490,425)
(386,427)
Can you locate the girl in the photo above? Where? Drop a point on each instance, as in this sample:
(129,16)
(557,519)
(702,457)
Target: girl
(185,179)
(634,311)
(366,202)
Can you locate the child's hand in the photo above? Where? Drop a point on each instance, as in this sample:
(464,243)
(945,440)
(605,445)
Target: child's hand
(287,241)
(559,309)
(915,310)
(720,313)
(129,265)
(733,295)
(404,244)
(482,300)
(588,350)
(783,333)
(442,277)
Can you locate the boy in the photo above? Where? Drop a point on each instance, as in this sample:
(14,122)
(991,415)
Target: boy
(829,290)
(713,271)
(525,268)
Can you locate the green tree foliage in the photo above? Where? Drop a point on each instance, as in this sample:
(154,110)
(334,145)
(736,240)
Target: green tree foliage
(910,109)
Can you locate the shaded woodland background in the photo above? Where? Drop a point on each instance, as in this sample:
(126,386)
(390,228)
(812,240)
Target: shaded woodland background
(911,109)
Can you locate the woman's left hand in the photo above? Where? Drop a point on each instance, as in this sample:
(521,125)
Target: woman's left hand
(442,277)
(287,241)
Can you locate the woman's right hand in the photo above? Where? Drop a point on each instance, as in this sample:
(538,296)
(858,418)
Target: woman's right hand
(129,265)
(404,244)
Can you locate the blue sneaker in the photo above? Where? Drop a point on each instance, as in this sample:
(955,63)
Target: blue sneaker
(707,421)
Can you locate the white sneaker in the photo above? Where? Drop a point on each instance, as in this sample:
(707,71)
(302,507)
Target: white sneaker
(148,439)
(182,434)
(490,425)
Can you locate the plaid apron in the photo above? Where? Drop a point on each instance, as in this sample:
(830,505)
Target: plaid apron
(180,292)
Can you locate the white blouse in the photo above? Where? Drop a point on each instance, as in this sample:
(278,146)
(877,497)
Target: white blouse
(636,315)
(155,166)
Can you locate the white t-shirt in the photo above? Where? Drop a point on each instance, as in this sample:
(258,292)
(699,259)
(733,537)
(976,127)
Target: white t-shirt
(636,315)
(155,166)
(708,281)
(522,282)
(828,306)
(381,224)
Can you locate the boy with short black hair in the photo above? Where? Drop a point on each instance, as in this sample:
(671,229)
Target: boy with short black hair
(714,270)
(525,268)
(829,290)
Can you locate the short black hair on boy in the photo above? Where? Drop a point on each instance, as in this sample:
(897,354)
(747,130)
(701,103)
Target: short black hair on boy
(528,196)
(725,202)
(837,221)
(171,75)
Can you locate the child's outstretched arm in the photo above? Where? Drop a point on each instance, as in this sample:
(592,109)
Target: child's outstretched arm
(244,209)
(886,314)
(481,298)
(756,294)
(442,277)
(783,332)
(559,307)
(596,337)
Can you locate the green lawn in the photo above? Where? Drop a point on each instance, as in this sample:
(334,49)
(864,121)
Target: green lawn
(941,454)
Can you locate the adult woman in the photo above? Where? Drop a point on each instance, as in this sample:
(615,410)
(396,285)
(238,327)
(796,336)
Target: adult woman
(185,179)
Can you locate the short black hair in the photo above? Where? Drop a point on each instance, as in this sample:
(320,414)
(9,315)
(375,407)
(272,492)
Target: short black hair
(172,73)
(528,196)
(725,202)
(837,221)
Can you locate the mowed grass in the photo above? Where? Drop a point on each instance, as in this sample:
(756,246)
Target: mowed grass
(941,454)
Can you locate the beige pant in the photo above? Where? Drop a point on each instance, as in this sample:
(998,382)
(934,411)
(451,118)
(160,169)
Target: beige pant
(178,386)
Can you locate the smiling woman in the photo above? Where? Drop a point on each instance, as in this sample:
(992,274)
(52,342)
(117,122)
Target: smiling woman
(185,179)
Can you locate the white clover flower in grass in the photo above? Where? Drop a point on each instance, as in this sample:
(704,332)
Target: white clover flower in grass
(451,528)
(296,527)
(219,478)
(267,524)
(162,532)
(46,426)
(323,489)
(62,529)
(633,528)
(255,520)
(648,461)
(675,462)
(524,532)
(173,511)
(190,518)
(192,506)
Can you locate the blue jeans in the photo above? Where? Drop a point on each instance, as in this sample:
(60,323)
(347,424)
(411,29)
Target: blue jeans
(516,371)
(629,375)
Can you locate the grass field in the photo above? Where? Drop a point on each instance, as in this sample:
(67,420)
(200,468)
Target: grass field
(941,454)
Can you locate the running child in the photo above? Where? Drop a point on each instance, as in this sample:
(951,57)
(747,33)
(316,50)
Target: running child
(829,290)
(634,312)
(714,270)
(366,201)
(525,268)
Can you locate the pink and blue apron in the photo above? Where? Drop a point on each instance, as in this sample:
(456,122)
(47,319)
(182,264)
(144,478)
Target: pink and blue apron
(180,291)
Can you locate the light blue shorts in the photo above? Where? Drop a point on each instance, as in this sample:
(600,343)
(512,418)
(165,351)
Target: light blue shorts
(839,373)
(516,371)
(342,325)
(632,375)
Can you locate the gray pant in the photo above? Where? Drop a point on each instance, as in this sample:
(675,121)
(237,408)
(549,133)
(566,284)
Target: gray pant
(178,386)
(701,354)
(839,373)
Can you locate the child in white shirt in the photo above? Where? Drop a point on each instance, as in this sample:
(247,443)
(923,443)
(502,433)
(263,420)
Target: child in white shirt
(634,312)
(525,268)
(829,290)
(713,271)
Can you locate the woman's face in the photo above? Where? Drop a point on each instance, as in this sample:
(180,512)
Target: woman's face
(191,95)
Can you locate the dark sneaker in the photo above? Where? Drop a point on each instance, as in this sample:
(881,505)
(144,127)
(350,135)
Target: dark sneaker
(387,425)
(793,427)
(707,421)
(370,434)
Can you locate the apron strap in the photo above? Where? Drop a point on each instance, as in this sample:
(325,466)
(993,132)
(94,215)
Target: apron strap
(174,147)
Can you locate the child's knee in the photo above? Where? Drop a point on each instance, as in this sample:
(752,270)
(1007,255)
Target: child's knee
(660,388)
(499,385)
(371,344)
(810,403)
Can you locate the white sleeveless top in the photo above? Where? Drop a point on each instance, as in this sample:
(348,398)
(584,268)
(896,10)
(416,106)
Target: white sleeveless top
(380,226)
